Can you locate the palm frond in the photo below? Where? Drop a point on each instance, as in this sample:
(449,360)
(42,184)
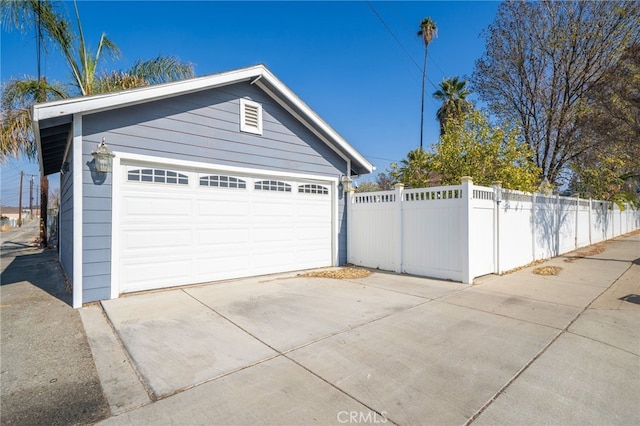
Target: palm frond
(16,136)
(428,30)
(109,48)
(16,133)
(117,80)
(162,69)
(23,15)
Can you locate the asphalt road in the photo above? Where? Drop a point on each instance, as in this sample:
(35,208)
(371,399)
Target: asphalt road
(47,374)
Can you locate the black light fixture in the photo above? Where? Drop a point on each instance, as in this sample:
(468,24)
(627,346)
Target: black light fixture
(103,158)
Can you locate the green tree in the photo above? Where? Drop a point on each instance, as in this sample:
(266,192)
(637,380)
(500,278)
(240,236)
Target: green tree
(428,31)
(368,186)
(542,62)
(16,133)
(610,127)
(473,147)
(383,182)
(414,171)
(453,95)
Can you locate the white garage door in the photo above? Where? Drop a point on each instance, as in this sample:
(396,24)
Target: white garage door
(182,227)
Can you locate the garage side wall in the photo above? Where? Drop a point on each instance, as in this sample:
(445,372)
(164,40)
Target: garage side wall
(96,228)
(201,127)
(65,234)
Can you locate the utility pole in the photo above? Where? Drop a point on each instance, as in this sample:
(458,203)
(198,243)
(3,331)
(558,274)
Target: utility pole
(31,196)
(44,201)
(44,181)
(20,202)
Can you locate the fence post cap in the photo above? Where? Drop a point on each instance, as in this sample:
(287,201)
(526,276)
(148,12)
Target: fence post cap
(467,179)
(497,183)
(399,185)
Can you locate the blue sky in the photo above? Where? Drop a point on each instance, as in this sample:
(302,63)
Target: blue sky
(360,76)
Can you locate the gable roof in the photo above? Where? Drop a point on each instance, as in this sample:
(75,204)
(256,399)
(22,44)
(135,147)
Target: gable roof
(52,121)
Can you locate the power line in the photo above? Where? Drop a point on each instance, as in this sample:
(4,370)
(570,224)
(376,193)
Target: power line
(394,10)
(380,158)
(399,43)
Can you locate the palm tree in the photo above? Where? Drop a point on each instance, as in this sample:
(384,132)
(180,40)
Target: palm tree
(428,31)
(453,94)
(414,171)
(19,94)
(16,134)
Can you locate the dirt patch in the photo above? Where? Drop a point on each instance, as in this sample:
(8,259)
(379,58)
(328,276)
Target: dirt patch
(547,270)
(340,274)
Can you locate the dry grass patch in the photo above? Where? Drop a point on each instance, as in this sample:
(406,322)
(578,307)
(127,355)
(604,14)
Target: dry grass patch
(592,251)
(340,274)
(547,270)
(528,265)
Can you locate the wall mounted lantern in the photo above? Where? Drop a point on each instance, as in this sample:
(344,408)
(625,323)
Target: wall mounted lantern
(103,157)
(346,182)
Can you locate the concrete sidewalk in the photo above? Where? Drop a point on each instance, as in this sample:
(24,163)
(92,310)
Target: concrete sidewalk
(515,349)
(47,373)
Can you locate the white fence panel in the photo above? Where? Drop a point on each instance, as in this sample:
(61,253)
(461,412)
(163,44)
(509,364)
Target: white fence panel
(465,231)
(583,223)
(617,213)
(545,227)
(481,230)
(373,233)
(566,239)
(431,232)
(598,222)
(516,243)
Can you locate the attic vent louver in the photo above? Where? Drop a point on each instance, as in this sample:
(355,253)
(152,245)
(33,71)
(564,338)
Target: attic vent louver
(250,117)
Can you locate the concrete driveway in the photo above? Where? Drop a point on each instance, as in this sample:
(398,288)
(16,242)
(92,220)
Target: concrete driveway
(516,349)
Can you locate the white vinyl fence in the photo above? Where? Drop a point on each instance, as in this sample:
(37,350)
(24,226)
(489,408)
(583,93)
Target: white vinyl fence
(465,231)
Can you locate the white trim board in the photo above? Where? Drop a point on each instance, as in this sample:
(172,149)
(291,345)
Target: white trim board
(77,211)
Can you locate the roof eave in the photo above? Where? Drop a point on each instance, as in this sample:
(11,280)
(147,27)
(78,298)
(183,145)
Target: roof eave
(103,102)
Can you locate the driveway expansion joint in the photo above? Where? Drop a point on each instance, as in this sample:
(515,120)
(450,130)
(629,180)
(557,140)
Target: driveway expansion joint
(562,332)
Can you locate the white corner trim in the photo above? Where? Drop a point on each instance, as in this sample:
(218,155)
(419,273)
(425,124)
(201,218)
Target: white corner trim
(335,240)
(116,183)
(77,210)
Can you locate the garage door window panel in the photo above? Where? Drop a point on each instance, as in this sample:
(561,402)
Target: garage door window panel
(312,188)
(157,176)
(220,181)
(272,185)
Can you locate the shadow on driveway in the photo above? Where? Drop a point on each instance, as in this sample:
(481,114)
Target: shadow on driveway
(40,268)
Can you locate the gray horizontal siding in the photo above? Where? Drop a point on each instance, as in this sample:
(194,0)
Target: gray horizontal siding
(65,237)
(96,230)
(202,127)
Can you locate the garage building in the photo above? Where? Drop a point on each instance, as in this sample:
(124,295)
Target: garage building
(218,177)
